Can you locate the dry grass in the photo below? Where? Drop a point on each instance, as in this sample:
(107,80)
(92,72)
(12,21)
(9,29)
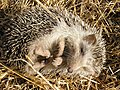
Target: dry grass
(103,14)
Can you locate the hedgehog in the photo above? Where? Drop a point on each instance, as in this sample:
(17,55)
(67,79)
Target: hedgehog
(62,44)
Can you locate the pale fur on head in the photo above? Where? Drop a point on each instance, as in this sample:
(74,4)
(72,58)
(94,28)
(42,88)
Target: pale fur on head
(73,61)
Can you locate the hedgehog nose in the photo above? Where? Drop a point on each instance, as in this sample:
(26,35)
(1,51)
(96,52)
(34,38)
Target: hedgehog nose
(70,70)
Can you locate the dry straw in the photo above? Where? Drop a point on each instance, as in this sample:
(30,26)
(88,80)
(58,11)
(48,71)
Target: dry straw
(103,14)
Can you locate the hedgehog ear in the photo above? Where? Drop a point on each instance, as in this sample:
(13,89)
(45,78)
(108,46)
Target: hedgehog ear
(91,39)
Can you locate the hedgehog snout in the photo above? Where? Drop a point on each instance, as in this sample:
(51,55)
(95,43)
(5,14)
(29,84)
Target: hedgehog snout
(70,70)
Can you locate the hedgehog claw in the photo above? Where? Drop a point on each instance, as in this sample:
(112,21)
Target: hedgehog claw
(40,51)
(57,61)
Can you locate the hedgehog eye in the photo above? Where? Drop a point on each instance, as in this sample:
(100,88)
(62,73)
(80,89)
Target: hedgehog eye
(82,51)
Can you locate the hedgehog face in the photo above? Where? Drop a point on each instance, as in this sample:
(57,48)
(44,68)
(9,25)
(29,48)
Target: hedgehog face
(79,55)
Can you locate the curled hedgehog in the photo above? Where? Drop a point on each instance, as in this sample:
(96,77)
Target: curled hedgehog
(62,44)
